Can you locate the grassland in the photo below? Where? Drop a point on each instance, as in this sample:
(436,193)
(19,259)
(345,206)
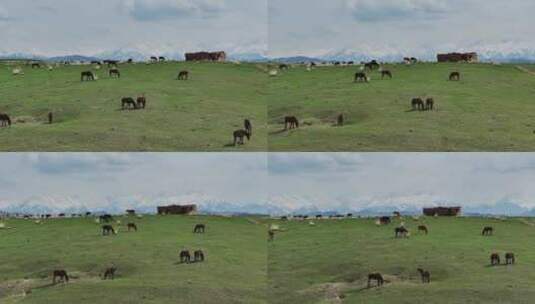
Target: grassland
(329,262)
(490,109)
(195,115)
(234,270)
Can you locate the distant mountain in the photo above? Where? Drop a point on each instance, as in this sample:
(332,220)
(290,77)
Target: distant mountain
(296,59)
(248,57)
(72,58)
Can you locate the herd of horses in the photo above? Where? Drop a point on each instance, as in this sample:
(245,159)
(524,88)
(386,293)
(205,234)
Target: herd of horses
(130,103)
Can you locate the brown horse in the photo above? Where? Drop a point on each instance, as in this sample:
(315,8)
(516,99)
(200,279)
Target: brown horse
(198,256)
(5,121)
(340,120)
(487,231)
(494,259)
(127,103)
(87,75)
(108,229)
(377,277)
(386,73)
(423,228)
(114,73)
(417,104)
(185,256)
(199,228)
(360,77)
(401,232)
(132,226)
(109,273)
(62,275)
(248,126)
(239,136)
(455,76)
(291,121)
(141,102)
(183,75)
(426,276)
(429,103)
(509,258)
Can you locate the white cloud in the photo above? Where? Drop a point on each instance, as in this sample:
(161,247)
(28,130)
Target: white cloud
(384,10)
(149,10)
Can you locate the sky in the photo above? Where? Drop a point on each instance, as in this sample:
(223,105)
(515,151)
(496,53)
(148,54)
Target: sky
(384,29)
(277,182)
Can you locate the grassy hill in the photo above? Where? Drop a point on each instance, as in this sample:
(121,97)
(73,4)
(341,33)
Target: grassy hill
(329,262)
(196,115)
(490,109)
(234,270)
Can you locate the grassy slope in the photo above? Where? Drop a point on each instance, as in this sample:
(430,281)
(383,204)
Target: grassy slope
(234,270)
(491,109)
(196,115)
(314,264)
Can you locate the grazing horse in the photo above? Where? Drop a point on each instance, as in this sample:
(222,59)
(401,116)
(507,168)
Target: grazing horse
(141,102)
(127,103)
(429,103)
(152,58)
(87,75)
(109,273)
(185,256)
(5,121)
(132,226)
(291,122)
(283,66)
(114,73)
(423,228)
(417,104)
(183,75)
(386,73)
(198,256)
(426,276)
(199,228)
(35,65)
(377,277)
(107,229)
(487,231)
(248,126)
(455,76)
(401,232)
(360,77)
(161,58)
(340,119)
(62,275)
(494,259)
(383,220)
(239,136)
(50,117)
(509,258)
(271,235)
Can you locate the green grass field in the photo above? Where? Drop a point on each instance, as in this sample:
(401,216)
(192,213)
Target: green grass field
(329,262)
(491,109)
(195,115)
(147,261)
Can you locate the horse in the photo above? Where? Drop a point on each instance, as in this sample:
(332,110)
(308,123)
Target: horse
(198,256)
(62,275)
(429,103)
(383,220)
(183,75)
(114,73)
(152,58)
(50,117)
(5,121)
(248,126)
(185,256)
(87,75)
(386,73)
(239,135)
(199,228)
(494,259)
(360,77)
(141,102)
(127,103)
(132,226)
(107,229)
(271,235)
(35,65)
(105,218)
(401,232)
(377,277)
(423,228)
(417,104)
(161,58)
(283,66)
(455,76)
(109,273)
(291,121)
(509,258)
(487,231)
(340,120)
(426,276)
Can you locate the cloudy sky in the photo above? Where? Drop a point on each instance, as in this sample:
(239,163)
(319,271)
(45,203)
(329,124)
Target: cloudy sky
(61,27)
(281,181)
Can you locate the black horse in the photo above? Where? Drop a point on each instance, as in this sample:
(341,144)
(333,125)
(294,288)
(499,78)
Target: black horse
(109,273)
(429,103)
(183,75)
(115,73)
(185,256)
(455,76)
(108,229)
(401,232)
(487,231)
(377,277)
(239,136)
(494,259)
(291,122)
(128,102)
(417,104)
(360,77)
(61,275)
(340,120)
(248,126)
(5,121)
(87,75)
(509,258)
(425,275)
(198,256)
(199,228)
